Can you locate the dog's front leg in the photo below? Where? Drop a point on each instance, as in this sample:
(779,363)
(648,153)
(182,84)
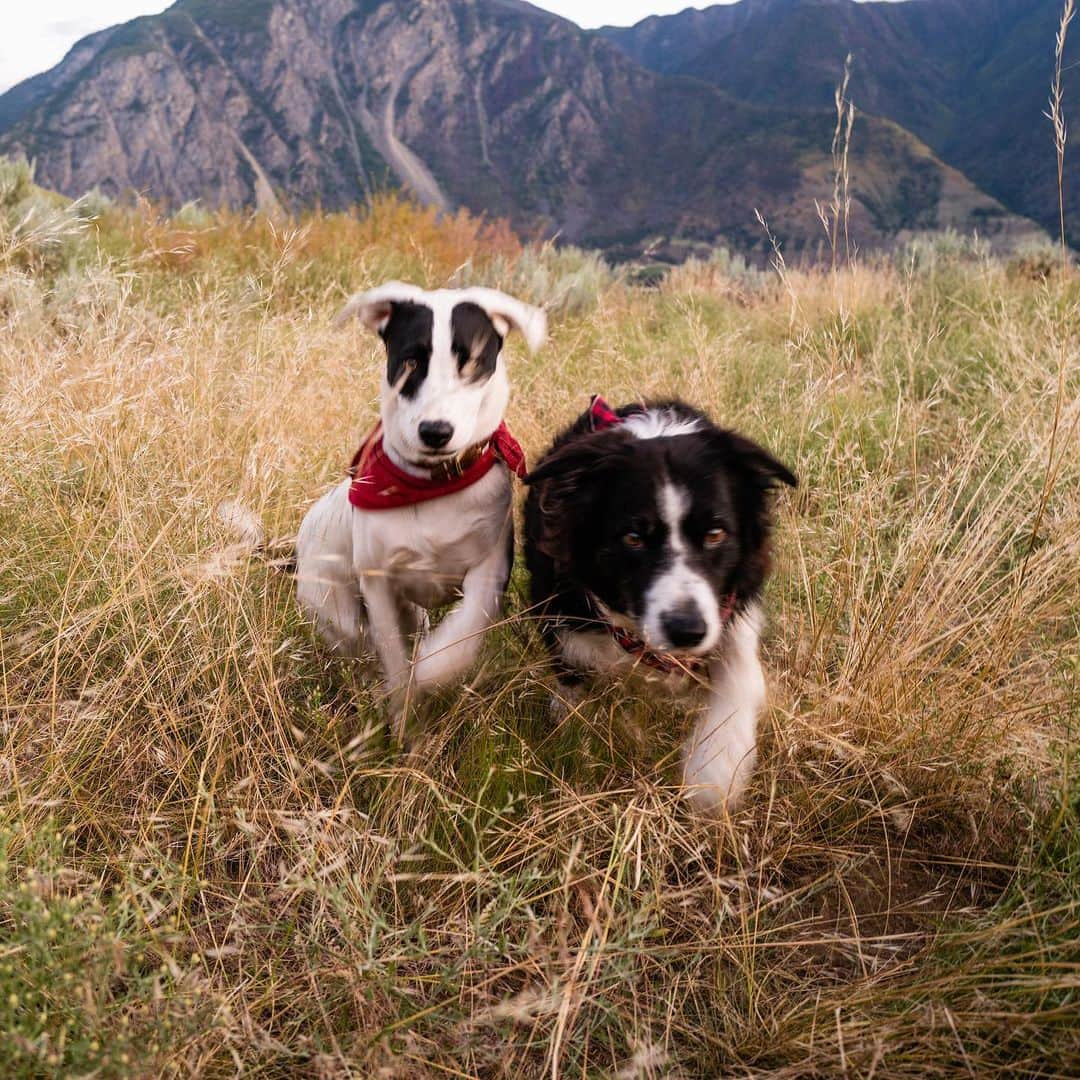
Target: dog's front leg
(385,627)
(719,756)
(447,652)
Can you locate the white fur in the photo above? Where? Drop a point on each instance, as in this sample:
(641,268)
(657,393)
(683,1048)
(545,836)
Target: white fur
(386,564)
(719,756)
(660,424)
(367,578)
(679,584)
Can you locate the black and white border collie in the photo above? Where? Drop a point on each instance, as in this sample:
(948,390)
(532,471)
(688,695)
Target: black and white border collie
(647,534)
(426,515)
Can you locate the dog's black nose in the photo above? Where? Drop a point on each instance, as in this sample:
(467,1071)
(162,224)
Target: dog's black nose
(685,626)
(436,433)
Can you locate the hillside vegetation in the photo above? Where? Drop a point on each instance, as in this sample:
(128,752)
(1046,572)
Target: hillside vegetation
(211,860)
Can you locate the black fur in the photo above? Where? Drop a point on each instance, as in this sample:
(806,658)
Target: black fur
(407,335)
(475,341)
(594,489)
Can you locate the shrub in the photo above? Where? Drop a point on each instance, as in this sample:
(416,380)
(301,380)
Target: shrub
(565,280)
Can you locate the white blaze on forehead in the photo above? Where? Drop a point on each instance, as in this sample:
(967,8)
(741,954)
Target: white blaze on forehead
(674,505)
(442,367)
(660,424)
(678,584)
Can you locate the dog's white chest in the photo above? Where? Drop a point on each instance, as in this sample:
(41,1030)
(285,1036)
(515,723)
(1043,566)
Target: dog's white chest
(429,548)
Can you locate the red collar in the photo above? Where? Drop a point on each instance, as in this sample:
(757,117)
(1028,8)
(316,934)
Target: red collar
(379,484)
(667,662)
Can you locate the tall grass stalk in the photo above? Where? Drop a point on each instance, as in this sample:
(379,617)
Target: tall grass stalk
(1056,116)
(838,215)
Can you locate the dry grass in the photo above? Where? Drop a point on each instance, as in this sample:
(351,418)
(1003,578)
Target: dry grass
(1056,116)
(212,863)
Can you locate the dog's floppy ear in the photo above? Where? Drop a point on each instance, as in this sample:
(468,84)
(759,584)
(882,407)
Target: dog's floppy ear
(508,314)
(374,307)
(765,470)
(566,481)
(580,457)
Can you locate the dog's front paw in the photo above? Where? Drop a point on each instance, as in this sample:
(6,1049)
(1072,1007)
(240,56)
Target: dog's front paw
(715,782)
(438,666)
(427,672)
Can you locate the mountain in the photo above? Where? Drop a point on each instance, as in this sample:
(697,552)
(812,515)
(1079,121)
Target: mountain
(489,104)
(970,78)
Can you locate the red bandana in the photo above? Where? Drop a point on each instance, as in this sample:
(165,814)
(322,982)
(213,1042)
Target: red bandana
(602,416)
(379,484)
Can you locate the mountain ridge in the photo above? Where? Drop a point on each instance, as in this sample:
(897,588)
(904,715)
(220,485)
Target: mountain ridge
(490,104)
(970,78)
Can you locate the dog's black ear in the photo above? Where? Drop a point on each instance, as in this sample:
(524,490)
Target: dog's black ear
(566,465)
(755,460)
(565,486)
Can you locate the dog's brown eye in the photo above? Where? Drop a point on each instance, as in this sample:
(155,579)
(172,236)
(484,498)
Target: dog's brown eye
(633,540)
(715,537)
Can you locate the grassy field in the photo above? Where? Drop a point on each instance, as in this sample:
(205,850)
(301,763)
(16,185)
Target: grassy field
(211,862)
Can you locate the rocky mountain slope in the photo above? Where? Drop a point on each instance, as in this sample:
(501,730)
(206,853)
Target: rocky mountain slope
(968,77)
(489,104)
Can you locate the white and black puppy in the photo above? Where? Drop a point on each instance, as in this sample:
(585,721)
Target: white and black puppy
(426,514)
(647,535)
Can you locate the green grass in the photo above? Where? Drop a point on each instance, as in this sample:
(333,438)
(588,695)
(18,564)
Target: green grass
(213,862)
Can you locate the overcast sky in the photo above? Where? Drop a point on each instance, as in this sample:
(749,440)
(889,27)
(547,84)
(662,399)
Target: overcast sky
(35,34)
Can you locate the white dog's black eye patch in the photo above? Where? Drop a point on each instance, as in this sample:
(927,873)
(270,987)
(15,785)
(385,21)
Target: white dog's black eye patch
(476,342)
(408,335)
